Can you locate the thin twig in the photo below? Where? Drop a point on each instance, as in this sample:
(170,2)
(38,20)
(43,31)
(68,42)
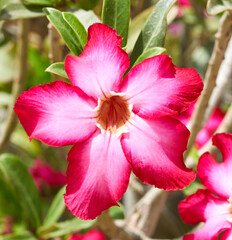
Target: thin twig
(222,38)
(18,82)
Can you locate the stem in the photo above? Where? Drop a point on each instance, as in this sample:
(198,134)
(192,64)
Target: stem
(145,215)
(222,38)
(223,81)
(56,51)
(18,82)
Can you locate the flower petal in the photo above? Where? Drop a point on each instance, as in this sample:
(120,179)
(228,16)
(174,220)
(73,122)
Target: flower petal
(56,113)
(157,88)
(204,206)
(155,149)
(97,176)
(216,176)
(210,231)
(100,68)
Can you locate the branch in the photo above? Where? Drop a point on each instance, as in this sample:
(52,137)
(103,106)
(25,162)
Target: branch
(145,214)
(223,81)
(222,38)
(18,82)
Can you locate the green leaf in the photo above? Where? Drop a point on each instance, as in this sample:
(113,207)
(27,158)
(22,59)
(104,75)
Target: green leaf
(154,30)
(23,186)
(65,30)
(117,212)
(13,11)
(63,228)
(149,53)
(216,6)
(86,17)
(57,208)
(25,236)
(58,69)
(77,27)
(40,2)
(116,14)
(87,4)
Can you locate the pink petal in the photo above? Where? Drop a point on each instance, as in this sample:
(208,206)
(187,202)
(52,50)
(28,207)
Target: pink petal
(56,113)
(210,231)
(44,173)
(217,176)
(94,235)
(100,68)
(204,206)
(91,235)
(97,176)
(157,88)
(155,149)
(210,127)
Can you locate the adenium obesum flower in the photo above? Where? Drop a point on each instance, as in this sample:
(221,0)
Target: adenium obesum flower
(45,174)
(209,128)
(116,125)
(212,205)
(91,235)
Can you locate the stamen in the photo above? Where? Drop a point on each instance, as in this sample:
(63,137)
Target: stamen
(112,113)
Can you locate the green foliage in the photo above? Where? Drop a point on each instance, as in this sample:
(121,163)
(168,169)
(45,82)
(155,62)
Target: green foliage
(216,6)
(63,228)
(87,18)
(77,27)
(116,14)
(149,53)
(58,69)
(13,11)
(154,30)
(22,185)
(40,2)
(73,38)
(25,236)
(117,212)
(87,4)
(37,65)
(56,209)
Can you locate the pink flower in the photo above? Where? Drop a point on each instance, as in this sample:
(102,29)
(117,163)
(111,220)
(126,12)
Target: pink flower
(91,235)
(184,3)
(212,205)
(115,125)
(210,127)
(45,174)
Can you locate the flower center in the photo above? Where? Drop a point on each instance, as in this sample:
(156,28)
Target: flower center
(112,113)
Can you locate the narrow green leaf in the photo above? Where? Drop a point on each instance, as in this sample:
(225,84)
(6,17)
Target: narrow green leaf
(56,209)
(40,2)
(65,30)
(216,6)
(149,53)
(77,27)
(63,228)
(154,30)
(58,69)
(23,186)
(116,14)
(14,11)
(25,236)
